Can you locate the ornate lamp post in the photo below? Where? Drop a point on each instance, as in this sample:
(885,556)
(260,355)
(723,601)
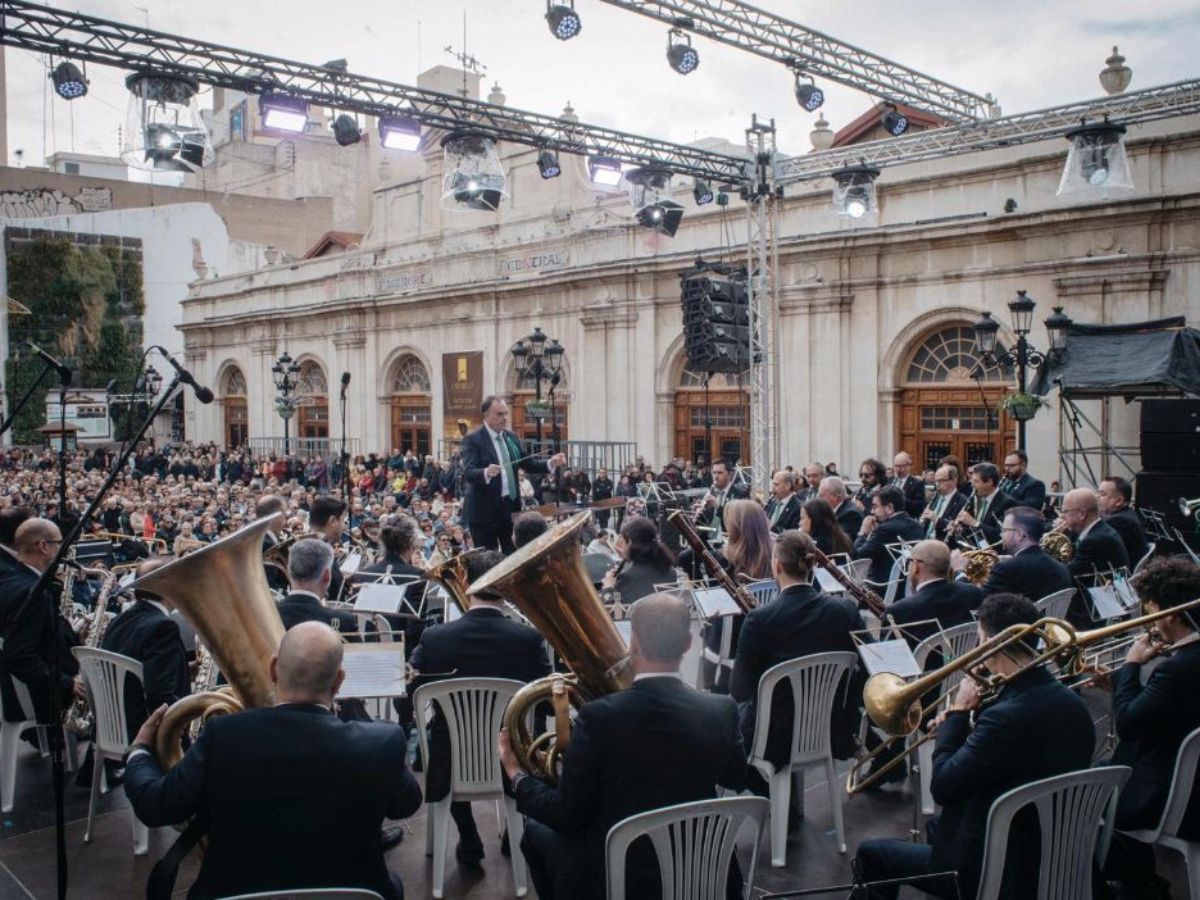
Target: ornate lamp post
(539,358)
(1024,354)
(286,374)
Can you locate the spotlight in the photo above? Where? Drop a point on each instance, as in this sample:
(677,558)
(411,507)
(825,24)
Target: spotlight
(69,82)
(702,192)
(650,190)
(563,20)
(282,112)
(346,131)
(854,195)
(663,217)
(1097,163)
(163,125)
(474,177)
(682,56)
(893,121)
(808,95)
(397,133)
(547,164)
(604,171)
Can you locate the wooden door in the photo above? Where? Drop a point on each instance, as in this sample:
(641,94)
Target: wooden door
(938,421)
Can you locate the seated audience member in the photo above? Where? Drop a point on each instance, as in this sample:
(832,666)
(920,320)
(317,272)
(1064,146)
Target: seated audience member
(527,527)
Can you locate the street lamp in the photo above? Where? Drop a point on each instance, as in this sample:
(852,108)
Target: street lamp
(1024,354)
(540,358)
(285,373)
(152,382)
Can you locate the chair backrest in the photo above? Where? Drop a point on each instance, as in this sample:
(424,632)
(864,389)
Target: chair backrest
(473,709)
(104,674)
(1181,785)
(312,894)
(764,591)
(857,569)
(693,842)
(383,628)
(951,642)
(1146,557)
(814,680)
(1055,605)
(1075,814)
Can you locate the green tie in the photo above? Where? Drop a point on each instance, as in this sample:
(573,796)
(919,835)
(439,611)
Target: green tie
(506,461)
(983,506)
(937,514)
(777,511)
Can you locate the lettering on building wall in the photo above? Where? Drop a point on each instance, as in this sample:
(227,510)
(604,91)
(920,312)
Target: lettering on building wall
(536,262)
(405,280)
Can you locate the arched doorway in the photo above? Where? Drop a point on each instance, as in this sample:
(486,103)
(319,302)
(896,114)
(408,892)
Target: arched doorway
(950,399)
(726,405)
(312,401)
(411,406)
(237,413)
(525,423)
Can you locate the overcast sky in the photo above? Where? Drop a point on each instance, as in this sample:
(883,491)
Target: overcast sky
(1028,54)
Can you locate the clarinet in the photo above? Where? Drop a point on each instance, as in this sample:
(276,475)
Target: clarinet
(740,595)
(867,598)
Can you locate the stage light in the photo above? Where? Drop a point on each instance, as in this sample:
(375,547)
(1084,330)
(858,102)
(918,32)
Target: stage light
(854,194)
(649,191)
(808,95)
(398,133)
(564,22)
(474,177)
(604,171)
(346,131)
(69,82)
(702,192)
(894,122)
(163,125)
(283,113)
(663,217)
(682,56)
(547,164)
(1096,163)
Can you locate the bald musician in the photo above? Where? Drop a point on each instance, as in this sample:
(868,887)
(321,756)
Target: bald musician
(1098,547)
(292,797)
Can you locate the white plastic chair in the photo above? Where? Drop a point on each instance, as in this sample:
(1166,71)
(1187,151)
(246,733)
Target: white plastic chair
(763,592)
(951,643)
(722,657)
(1146,557)
(694,843)
(312,894)
(1166,833)
(1075,814)
(10,742)
(814,680)
(1055,605)
(104,674)
(473,709)
(889,590)
(858,569)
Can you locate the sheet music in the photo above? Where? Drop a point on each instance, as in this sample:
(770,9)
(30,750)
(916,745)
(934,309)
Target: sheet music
(893,656)
(350,564)
(826,581)
(1106,602)
(715,601)
(625,629)
(1125,592)
(452,612)
(385,598)
(373,670)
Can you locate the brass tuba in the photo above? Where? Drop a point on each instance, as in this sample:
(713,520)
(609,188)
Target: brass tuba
(549,584)
(222,591)
(452,576)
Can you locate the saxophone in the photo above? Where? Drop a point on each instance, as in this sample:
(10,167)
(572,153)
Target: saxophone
(80,718)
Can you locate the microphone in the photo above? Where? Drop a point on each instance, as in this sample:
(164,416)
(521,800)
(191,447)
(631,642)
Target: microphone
(64,372)
(203,394)
(345,383)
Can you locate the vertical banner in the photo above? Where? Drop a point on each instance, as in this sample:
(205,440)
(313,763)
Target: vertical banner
(462,391)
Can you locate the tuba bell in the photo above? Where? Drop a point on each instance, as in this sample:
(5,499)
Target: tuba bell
(222,591)
(548,583)
(452,576)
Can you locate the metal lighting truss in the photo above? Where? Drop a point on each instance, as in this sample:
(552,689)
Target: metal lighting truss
(782,40)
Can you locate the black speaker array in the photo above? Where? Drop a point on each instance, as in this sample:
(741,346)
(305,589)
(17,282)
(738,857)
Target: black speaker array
(1170,458)
(716,320)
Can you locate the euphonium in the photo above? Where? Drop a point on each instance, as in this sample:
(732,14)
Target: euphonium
(452,576)
(549,584)
(222,591)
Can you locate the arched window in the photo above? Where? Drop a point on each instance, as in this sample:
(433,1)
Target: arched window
(311,385)
(949,355)
(312,401)
(237,413)
(410,377)
(412,426)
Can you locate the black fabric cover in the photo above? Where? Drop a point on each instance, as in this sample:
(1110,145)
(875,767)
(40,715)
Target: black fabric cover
(1158,357)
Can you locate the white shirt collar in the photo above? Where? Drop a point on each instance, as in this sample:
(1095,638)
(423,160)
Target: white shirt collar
(156,604)
(643,675)
(1083,533)
(494,434)
(925,582)
(307,594)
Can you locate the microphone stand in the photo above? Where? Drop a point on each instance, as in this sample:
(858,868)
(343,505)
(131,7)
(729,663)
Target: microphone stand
(69,539)
(345,456)
(20,404)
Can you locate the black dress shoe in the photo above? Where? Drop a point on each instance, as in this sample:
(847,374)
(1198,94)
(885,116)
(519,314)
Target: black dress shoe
(469,857)
(391,834)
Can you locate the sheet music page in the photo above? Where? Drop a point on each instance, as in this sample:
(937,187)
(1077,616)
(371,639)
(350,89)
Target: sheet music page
(715,602)
(350,564)
(373,670)
(893,656)
(1125,592)
(826,581)
(625,629)
(385,598)
(1107,603)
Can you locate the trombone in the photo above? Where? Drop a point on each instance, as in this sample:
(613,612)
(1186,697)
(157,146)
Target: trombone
(894,705)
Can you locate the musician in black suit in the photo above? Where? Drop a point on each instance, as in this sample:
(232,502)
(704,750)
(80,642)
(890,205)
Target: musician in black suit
(273,506)
(974,766)
(491,454)
(310,568)
(146,631)
(849,516)
(484,643)
(292,797)
(645,562)
(909,484)
(873,476)
(783,509)
(887,524)
(1024,489)
(723,490)
(657,744)
(1116,498)
(945,506)
(1098,548)
(932,595)
(1027,569)
(1152,716)
(980,521)
(30,628)
(800,622)
(325,518)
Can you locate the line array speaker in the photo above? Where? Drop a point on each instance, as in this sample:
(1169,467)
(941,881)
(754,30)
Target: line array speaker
(716,319)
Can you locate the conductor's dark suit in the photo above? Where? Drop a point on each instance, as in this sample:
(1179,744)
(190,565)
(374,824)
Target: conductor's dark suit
(487,511)
(1128,525)
(293,798)
(789,516)
(974,766)
(657,744)
(949,602)
(145,633)
(874,546)
(1098,550)
(484,643)
(1032,573)
(913,489)
(27,635)
(802,621)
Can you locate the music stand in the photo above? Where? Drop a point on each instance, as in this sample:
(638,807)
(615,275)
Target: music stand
(858,889)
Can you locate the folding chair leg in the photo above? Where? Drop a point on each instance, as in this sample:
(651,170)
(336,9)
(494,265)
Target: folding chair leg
(1191,856)
(835,800)
(70,750)
(925,761)
(781,789)
(441,834)
(797,800)
(141,835)
(10,740)
(97,784)
(516,830)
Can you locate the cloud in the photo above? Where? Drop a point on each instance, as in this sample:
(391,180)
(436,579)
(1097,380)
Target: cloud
(1164,25)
